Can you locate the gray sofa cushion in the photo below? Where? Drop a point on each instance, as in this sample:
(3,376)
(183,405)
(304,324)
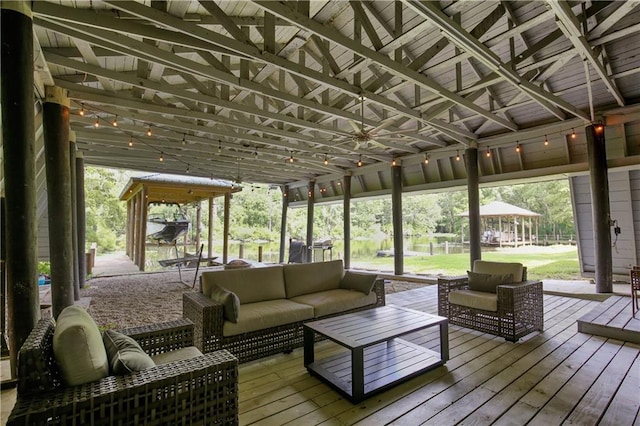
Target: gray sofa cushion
(125,354)
(334,301)
(359,281)
(250,284)
(499,268)
(309,278)
(270,313)
(229,301)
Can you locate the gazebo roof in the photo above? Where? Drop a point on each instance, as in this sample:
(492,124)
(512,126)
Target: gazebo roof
(499,208)
(178,189)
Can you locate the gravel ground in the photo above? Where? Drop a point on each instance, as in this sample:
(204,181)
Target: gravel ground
(137,299)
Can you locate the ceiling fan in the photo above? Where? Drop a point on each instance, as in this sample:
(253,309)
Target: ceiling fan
(366,138)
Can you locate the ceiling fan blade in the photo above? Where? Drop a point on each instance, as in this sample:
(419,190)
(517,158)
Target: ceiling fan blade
(378,144)
(385,123)
(355,126)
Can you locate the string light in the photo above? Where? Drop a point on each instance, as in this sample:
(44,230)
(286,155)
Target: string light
(149,131)
(130,141)
(488,154)
(187,171)
(291,158)
(360,161)
(184,140)
(255,152)
(114,123)
(219,147)
(81,109)
(457,155)
(426,159)
(546,140)
(573,134)
(393,162)
(161,157)
(326,160)
(599,127)
(517,146)
(97,123)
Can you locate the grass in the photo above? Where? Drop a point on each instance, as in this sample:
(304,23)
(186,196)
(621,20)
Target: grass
(552,262)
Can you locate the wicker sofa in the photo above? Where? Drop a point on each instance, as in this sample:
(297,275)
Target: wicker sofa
(274,302)
(199,390)
(512,311)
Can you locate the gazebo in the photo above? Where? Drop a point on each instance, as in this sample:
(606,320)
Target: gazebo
(140,192)
(500,222)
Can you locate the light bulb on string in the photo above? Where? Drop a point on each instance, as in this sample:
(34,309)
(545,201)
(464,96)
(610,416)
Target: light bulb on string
(426,159)
(394,162)
(546,140)
(457,156)
(518,147)
(161,157)
(219,147)
(81,109)
(360,161)
(326,160)
(149,131)
(291,158)
(130,141)
(97,123)
(573,134)
(184,140)
(488,153)
(114,123)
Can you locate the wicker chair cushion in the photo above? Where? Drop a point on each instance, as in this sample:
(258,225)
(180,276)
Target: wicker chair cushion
(358,281)
(499,268)
(333,301)
(475,299)
(487,282)
(249,284)
(309,278)
(181,354)
(124,354)
(78,347)
(229,301)
(262,315)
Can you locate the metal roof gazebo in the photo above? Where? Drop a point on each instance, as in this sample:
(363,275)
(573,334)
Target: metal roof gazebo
(159,188)
(507,217)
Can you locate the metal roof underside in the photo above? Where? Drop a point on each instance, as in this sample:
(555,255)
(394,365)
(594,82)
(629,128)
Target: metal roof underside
(289,93)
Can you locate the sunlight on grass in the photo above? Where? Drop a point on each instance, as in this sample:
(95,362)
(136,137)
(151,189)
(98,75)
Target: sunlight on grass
(552,262)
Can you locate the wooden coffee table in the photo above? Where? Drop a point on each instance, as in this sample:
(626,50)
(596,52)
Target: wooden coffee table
(378,357)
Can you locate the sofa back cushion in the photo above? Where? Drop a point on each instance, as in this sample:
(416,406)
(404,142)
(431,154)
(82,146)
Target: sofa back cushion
(308,278)
(250,284)
(78,347)
(499,268)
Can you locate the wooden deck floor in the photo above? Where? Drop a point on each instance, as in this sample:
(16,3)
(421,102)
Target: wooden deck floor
(612,318)
(560,376)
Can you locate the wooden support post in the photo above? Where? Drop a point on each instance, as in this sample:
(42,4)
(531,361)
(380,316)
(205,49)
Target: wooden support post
(4,347)
(310,210)
(82,220)
(16,63)
(396,213)
(597,156)
(198,222)
(144,211)
(74,216)
(210,230)
(56,147)
(471,160)
(225,232)
(346,187)
(283,222)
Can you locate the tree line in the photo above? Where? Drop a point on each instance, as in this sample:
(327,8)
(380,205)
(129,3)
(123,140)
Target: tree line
(255,213)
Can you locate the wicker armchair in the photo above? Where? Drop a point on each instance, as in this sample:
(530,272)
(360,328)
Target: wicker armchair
(519,307)
(200,390)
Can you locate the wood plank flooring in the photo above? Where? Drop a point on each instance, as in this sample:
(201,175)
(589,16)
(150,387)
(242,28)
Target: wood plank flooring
(612,318)
(559,376)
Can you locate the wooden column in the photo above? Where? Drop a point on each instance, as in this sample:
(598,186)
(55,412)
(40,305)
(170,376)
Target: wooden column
(283,222)
(471,162)
(140,237)
(134,228)
(310,211)
(16,64)
(56,148)
(82,220)
(210,230)
(500,230)
(144,211)
(225,231)
(396,213)
(4,347)
(198,222)
(74,215)
(597,156)
(346,187)
(515,231)
(127,249)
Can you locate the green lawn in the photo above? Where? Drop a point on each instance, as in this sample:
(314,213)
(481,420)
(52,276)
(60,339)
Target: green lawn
(553,262)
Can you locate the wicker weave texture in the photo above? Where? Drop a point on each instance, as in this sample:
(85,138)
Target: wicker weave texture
(198,391)
(208,320)
(520,308)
